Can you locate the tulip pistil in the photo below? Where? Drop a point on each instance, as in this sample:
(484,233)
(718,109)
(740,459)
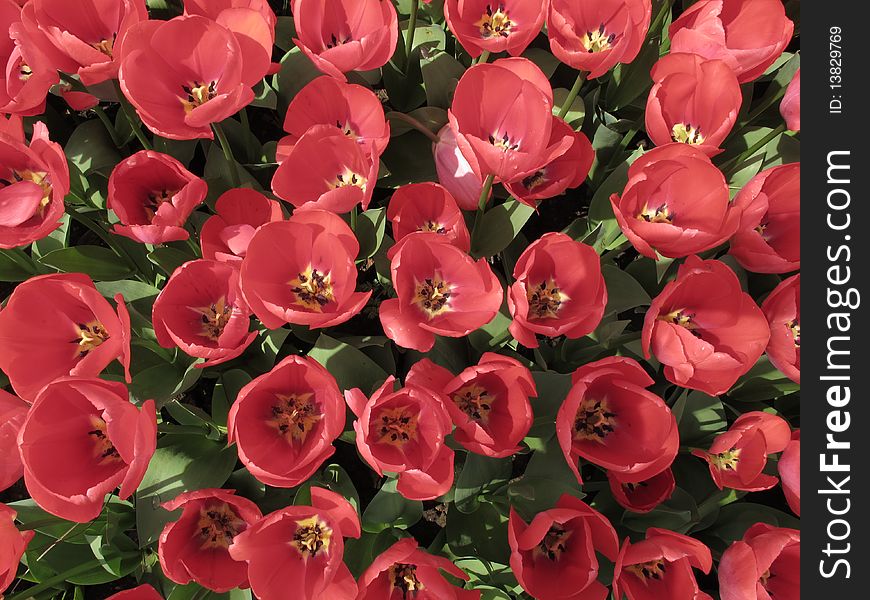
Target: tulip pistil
(214,318)
(197,95)
(654,569)
(433,226)
(218,525)
(294,415)
(336,40)
(545,300)
(348,178)
(726,461)
(661,214)
(313,289)
(597,40)
(682,318)
(494,23)
(794,327)
(432,296)
(404,577)
(24,70)
(104,449)
(503,142)
(397,427)
(155,200)
(89,336)
(554,543)
(687,134)
(106,46)
(312,536)
(593,420)
(474,401)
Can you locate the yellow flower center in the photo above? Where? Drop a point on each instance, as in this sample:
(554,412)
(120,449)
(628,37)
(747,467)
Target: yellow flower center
(88,337)
(432,296)
(474,401)
(197,94)
(654,569)
(312,289)
(593,421)
(348,178)
(503,142)
(726,461)
(554,543)
(294,415)
(680,317)
(597,41)
(432,226)
(396,427)
(404,577)
(106,46)
(536,179)
(687,134)
(312,536)
(660,214)
(218,525)
(545,300)
(104,450)
(795,328)
(214,318)
(24,70)
(494,23)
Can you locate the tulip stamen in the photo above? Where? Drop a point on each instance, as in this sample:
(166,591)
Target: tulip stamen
(632,487)
(155,200)
(433,226)
(597,40)
(546,299)
(654,569)
(348,178)
(494,23)
(404,578)
(683,318)
(294,415)
(794,327)
(218,525)
(88,337)
(536,179)
(504,142)
(214,318)
(346,129)
(432,296)
(687,134)
(106,46)
(312,536)
(593,421)
(762,230)
(104,449)
(41,179)
(474,401)
(726,461)
(396,426)
(554,543)
(24,70)
(336,40)
(313,289)
(197,95)
(662,214)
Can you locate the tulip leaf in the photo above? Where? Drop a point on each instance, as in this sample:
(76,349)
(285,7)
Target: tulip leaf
(370,229)
(350,367)
(390,509)
(481,533)
(441,73)
(499,226)
(623,291)
(478,475)
(100,263)
(16,266)
(90,148)
(699,417)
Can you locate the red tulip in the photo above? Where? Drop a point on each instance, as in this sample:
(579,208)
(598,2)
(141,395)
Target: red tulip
(693,101)
(783,311)
(676,203)
(81,38)
(194,547)
(142,592)
(351,35)
(558,290)
(285,421)
(403,432)
(704,328)
(455,172)
(352,109)
(82,439)
(201,311)
(427,207)
(504,26)
(13,411)
(660,567)
(765,564)
(738,456)
(184,74)
(749,35)
(153,195)
(13,544)
(240,211)
(302,271)
(789,466)
(326,169)
(594,35)
(252,22)
(562,173)
(488,402)
(502,119)
(790,107)
(553,557)
(768,239)
(57,325)
(310,542)
(403,571)
(441,290)
(642,496)
(611,420)
(34,180)
(27,74)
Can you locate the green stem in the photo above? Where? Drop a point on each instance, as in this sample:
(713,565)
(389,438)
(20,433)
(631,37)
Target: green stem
(88,567)
(228,154)
(354,212)
(484,56)
(572,95)
(481,203)
(249,135)
(415,124)
(737,160)
(412,27)
(131,116)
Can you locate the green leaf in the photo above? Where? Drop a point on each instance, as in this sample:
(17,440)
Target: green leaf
(390,509)
(350,367)
(546,478)
(630,81)
(678,513)
(131,290)
(57,239)
(575,115)
(499,226)
(164,381)
(478,474)
(91,149)
(699,418)
(100,263)
(482,533)
(370,229)
(225,392)
(296,72)
(16,266)
(408,159)
(431,117)
(623,291)
(441,73)
(168,258)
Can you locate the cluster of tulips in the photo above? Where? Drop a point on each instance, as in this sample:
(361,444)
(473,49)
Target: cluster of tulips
(290,258)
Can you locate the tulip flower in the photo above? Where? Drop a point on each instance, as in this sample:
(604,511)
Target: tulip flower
(310,542)
(240,211)
(768,239)
(350,35)
(765,564)
(676,203)
(789,466)
(427,207)
(13,544)
(285,421)
(790,107)
(152,195)
(554,556)
(737,457)
(500,26)
(302,271)
(704,328)
(595,35)
(455,172)
(403,571)
(26,74)
(441,290)
(82,38)
(57,325)
(195,547)
(403,432)
(694,101)
(659,567)
(34,180)
(353,109)
(142,592)
(783,311)
(749,35)
(13,410)
(642,496)
(611,420)
(558,290)
(488,402)
(184,74)
(82,439)
(201,311)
